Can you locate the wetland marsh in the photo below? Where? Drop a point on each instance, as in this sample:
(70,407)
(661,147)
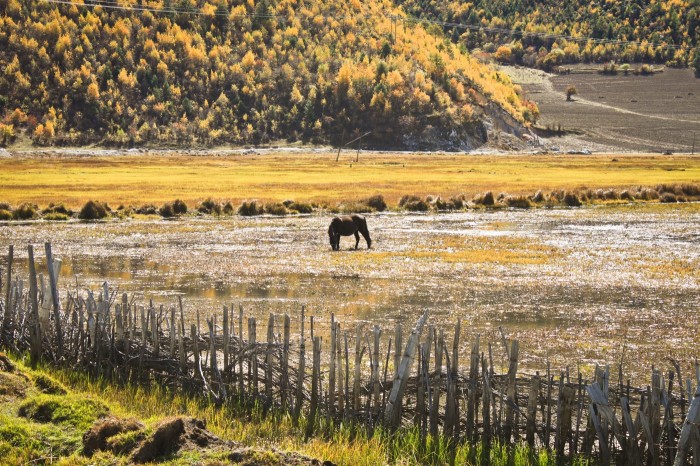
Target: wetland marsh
(576,286)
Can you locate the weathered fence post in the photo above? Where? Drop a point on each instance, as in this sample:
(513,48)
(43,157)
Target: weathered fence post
(331,371)
(268,357)
(8,297)
(511,395)
(689,429)
(315,378)
(35,353)
(532,410)
(391,414)
(300,373)
(54,296)
(284,382)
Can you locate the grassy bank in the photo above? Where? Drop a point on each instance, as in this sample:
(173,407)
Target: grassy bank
(156,179)
(46,412)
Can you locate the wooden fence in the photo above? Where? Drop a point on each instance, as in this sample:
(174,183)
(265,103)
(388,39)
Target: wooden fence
(367,375)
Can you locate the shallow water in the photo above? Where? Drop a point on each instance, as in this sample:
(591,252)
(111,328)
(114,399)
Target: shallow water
(577,287)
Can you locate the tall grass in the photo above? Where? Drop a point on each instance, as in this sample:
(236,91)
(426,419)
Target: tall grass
(343,443)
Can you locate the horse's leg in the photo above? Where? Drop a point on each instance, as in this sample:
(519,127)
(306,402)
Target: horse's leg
(365,234)
(357,239)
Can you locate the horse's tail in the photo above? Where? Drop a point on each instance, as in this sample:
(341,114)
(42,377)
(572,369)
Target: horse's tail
(365,231)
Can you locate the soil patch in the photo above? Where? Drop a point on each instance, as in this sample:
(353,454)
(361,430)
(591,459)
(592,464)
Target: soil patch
(656,113)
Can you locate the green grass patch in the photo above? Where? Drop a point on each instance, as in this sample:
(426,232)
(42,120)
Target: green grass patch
(76,411)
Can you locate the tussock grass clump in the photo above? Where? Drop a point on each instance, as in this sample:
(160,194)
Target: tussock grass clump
(413,203)
(147,209)
(298,207)
(49,385)
(173,209)
(25,212)
(276,209)
(250,208)
(57,209)
(228,208)
(166,210)
(179,207)
(518,202)
(377,203)
(94,210)
(626,196)
(5,214)
(5,206)
(571,199)
(56,217)
(485,199)
(210,207)
(668,198)
(538,197)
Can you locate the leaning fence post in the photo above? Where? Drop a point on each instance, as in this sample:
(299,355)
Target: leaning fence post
(689,425)
(54,295)
(391,416)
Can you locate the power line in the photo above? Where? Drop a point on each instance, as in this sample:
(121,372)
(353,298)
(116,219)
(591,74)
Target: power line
(114,4)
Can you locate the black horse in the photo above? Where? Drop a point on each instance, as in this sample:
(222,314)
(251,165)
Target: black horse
(348,225)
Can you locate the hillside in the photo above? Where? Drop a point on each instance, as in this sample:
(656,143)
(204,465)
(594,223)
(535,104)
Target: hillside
(141,72)
(674,24)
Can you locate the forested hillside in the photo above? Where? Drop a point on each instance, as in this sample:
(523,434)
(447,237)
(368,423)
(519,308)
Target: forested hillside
(134,72)
(674,24)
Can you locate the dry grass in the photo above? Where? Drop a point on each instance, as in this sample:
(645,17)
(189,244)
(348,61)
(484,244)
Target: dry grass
(156,179)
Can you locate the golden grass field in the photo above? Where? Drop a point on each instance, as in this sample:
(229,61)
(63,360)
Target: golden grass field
(157,178)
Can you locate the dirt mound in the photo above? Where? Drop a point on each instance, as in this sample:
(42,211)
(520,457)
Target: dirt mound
(97,438)
(175,434)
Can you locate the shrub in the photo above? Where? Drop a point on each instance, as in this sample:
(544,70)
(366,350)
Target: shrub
(5,214)
(570,92)
(377,203)
(5,206)
(25,212)
(93,210)
(571,200)
(209,206)
(250,208)
(276,209)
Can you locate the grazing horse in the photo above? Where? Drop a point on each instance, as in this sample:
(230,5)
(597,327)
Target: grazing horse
(348,225)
